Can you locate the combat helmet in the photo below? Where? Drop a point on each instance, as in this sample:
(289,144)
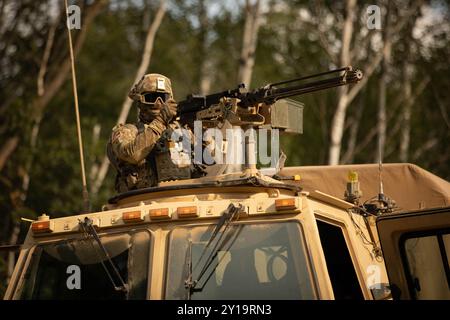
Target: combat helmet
(151,87)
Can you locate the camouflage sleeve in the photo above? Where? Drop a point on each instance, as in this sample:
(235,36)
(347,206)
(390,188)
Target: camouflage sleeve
(132,146)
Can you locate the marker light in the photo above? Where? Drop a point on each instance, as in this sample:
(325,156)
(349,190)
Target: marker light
(187,212)
(41,227)
(132,216)
(161,213)
(285,204)
(352,193)
(352,176)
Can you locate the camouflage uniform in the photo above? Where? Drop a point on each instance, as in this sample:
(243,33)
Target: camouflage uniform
(143,153)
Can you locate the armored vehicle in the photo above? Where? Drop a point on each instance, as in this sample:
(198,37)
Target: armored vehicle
(321,232)
(248,238)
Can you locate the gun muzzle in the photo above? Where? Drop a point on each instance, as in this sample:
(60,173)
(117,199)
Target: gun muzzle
(353,76)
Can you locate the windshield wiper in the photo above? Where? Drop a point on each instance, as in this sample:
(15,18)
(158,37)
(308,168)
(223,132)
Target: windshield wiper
(188,283)
(225,220)
(87,227)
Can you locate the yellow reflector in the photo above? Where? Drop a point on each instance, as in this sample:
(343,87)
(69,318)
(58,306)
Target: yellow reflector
(285,204)
(161,213)
(297,177)
(184,212)
(41,227)
(352,176)
(132,216)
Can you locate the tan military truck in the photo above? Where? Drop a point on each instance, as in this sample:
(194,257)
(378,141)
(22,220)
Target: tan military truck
(318,232)
(292,236)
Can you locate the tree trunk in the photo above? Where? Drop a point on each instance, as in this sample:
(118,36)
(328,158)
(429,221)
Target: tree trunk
(406,128)
(249,41)
(337,126)
(126,105)
(350,153)
(406,88)
(206,59)
(381,124)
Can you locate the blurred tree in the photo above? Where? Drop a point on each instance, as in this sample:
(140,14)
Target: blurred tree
(249,41)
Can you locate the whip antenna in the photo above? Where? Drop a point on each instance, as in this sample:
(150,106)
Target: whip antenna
(86,204)
(381,197)
(380,178)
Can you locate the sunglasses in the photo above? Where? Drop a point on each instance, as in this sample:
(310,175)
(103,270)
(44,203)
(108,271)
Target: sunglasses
(151,97)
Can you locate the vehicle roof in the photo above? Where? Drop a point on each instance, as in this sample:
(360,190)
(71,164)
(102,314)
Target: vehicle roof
(409,185)
(196,185)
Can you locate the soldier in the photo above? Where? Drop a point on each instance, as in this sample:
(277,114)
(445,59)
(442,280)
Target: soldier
(144,153)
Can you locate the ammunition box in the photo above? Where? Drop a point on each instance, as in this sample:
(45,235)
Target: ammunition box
(287,115)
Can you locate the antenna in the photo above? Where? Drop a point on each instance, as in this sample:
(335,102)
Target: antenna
(381,197)
(380,173)
(86,204)
(381,204)
(380,176)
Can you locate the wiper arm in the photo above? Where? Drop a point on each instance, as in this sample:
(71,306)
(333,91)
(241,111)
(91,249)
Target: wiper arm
(188,283)
(225,220)
(233,237)
(88,228)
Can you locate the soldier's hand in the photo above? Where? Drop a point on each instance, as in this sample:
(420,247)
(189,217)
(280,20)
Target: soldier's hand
(168,110)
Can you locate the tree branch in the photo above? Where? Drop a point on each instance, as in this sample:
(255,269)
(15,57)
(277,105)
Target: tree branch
(46,56)
(7,149)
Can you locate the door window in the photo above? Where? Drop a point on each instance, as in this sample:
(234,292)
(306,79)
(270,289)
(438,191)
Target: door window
(427,265)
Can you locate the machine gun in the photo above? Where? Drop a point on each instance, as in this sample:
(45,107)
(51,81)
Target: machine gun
(265,107)
(242,107)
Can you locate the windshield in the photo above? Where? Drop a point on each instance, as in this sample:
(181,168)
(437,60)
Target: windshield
(256,261)
(73,269)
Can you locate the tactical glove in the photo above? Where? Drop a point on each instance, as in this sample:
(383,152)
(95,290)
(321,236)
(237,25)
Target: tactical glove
(168,110)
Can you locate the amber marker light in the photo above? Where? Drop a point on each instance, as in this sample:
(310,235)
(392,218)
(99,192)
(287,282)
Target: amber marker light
(161,213)
(285,204)
(41,227)
(352,176)
(132,216)
(187,212)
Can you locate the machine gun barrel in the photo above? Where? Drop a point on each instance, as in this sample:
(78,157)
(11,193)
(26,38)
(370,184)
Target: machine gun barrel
(272,92)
